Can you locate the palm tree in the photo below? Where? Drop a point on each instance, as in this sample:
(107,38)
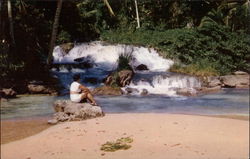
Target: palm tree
(137,14)
(225,13)
(109,7)
(11,22)
(54,31)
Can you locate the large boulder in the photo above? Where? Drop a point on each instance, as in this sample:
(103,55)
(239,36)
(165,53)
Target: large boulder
(107,90)
(121,78)
(235,80)
(71,111)
(125,77)
(41,89)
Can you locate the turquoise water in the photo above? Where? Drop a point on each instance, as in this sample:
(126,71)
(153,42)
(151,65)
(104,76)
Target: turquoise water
(227,102)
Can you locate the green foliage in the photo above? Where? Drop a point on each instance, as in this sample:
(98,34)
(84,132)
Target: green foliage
(8,68)
(199,68)
(119,144)
(63,37)
(85,20)
(227,51)
(124,61)
(235,15)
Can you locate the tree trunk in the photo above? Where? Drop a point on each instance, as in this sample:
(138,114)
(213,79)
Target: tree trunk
(137,15)
(11,23)
(109,8)
(54,31)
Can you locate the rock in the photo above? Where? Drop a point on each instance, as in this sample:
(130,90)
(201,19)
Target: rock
(131,90)
(125,77)
(144,92)
(242,86)
(234,80)
(186,92)
(40,89)
(61,116)
(141,67)
(52,121)
(205,90)
(240,73)
(107,90)
(85,62)
(71,111)
(66,47)
(121,78)
(214,82)
(8,93)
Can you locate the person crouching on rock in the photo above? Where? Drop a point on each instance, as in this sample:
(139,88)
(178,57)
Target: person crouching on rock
(78,92)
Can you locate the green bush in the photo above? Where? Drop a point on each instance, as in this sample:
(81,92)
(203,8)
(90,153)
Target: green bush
(123,62)
(226,51)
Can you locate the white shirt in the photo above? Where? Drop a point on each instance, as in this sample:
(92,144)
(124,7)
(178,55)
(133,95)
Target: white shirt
(75,87)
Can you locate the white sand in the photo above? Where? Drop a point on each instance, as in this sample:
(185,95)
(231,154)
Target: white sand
(156,136)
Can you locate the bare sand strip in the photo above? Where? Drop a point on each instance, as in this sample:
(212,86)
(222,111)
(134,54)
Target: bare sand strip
(156,136)
(12,130)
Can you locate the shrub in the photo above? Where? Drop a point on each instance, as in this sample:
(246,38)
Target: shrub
(226,51)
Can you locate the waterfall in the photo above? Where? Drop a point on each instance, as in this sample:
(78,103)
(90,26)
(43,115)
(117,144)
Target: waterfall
(105,56)
(95,60)
(162,83)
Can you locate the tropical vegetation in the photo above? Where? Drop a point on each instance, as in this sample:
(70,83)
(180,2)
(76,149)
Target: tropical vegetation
(193,33)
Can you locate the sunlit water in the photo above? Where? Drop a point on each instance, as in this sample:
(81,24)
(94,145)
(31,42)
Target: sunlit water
(227,102)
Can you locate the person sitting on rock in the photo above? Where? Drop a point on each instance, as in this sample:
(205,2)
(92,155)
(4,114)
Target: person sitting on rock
(78,92)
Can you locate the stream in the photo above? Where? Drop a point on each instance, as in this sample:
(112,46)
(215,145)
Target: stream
(95,60)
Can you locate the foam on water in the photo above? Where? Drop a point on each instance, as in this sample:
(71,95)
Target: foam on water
(103,58)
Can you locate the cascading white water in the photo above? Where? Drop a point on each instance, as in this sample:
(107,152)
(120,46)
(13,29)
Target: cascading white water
(103,58)
(165,85)
(106,56)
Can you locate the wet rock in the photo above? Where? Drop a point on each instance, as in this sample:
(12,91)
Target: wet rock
(85,62)
(141,67)
(242,86)
(144,92)
(186,92)
(8,93)
(121,78)
(125,77)
(107,90)
(70,111)
(131,90)
(205,90)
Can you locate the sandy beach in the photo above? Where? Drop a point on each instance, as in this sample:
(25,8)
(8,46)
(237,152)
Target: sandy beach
(155,136)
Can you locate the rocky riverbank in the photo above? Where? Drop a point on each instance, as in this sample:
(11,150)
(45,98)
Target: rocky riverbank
(213,84)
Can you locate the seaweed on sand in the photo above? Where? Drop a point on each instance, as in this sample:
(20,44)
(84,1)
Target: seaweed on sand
(119,144)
